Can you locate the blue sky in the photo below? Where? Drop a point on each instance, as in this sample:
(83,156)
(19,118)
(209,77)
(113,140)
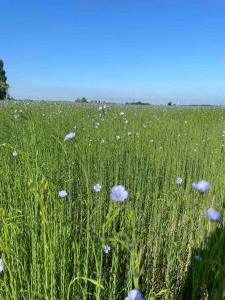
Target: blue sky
(155,50)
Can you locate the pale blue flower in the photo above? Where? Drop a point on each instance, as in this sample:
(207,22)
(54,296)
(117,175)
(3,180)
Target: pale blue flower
(213,214)
(69,136)
(198,257)
(106,248)
(62,194)
(134,295)
(202,186)
(119,193)
(97,187)
(1,265)
(179,180)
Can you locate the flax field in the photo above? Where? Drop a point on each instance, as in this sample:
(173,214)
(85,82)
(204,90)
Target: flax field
(63,232)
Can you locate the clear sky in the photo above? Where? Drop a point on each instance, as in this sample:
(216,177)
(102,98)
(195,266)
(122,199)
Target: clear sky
(155,50)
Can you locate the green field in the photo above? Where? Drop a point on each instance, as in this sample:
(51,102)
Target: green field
(53,247)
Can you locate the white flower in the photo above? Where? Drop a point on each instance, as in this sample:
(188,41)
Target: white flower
(179,180)
(69,136)
(121,113)
(62,194)
(97,187)
(100,108)
(117,137)
(14,153)
(106,248)
(1,265)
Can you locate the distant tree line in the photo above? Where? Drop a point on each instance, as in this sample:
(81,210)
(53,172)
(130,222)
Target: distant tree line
(3,82)
(85,100)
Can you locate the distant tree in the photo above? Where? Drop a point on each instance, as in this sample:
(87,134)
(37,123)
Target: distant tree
(84,100)
(137,103)
(169,103)
(81,100)
(3,84)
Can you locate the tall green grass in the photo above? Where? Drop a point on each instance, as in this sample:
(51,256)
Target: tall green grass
(52,248)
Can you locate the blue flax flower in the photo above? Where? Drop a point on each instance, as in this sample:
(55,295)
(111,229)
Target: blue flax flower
(119,193)
(202,186)
(213,214)
(97,187)
(198,257)
(134,295)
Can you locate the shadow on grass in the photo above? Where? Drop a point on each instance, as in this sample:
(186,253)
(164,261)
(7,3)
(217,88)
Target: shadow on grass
(205,278)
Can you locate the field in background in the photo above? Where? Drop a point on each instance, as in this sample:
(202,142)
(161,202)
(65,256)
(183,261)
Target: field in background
(53,248)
